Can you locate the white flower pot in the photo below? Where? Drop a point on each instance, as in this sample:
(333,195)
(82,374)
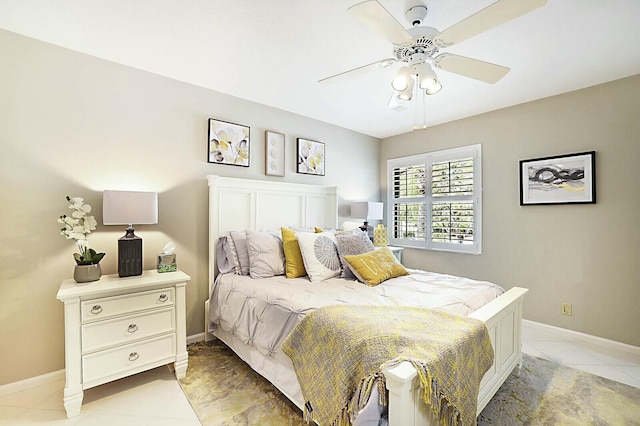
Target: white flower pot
(87,273)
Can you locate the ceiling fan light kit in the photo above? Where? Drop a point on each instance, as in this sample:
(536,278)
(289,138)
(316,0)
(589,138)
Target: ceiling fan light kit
(422,73)
(418,48)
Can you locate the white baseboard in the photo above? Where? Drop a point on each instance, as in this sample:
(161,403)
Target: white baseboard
(576,335)
(194,338)
(32,382)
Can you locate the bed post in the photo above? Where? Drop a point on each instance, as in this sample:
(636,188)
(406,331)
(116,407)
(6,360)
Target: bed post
(214,195)
(400,384)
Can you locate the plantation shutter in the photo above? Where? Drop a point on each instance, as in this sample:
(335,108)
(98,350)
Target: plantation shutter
(434,200)
(409,205)
(452,209)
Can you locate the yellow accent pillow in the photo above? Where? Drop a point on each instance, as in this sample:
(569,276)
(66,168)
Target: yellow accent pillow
(375,266)
(294,265)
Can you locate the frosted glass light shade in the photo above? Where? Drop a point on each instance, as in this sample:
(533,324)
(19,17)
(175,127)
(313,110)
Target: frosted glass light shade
(401,81)
(129,208)
(426,76)
(434,88)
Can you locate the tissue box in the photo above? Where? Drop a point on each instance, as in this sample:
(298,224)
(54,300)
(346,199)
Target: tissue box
(167,263)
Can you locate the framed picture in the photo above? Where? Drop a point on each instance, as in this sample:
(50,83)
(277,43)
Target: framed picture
(310,157)
(274,153)
(563,179)
(228,143)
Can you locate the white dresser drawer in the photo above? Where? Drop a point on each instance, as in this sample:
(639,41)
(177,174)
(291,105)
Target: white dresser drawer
(108,307)
(119,361)
(103,334)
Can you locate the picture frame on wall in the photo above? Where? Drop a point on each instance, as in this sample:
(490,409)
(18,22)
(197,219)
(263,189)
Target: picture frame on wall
(274,153)
(561,179)
(310,157)
(229,143)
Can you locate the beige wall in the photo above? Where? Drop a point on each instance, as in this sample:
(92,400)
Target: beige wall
(586,255)
(73,124)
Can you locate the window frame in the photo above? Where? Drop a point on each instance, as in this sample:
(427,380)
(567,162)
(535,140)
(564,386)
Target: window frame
(428,159)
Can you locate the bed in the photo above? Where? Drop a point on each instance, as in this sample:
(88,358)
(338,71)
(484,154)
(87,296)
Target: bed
(243,204)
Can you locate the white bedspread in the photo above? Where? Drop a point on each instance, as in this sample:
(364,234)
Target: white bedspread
(262,312)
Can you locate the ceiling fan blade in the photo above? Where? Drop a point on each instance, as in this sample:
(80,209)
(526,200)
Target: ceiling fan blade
(472,68)
(491,16)
(374,15)
(357,71)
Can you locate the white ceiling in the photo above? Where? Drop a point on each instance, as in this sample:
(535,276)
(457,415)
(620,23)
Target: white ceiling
(274,51)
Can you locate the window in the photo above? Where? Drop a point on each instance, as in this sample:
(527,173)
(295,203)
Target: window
(434,200)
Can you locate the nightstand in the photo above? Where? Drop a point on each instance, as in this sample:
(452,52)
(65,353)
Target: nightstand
(397,251)
(116,327)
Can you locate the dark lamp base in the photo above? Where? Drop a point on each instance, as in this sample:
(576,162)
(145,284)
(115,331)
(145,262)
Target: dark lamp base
(368,229)
(129,255)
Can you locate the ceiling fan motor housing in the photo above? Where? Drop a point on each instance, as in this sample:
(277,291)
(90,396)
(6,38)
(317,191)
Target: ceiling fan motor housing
(416,14)
(423,42)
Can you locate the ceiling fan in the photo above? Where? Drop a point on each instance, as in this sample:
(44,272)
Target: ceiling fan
(418,48)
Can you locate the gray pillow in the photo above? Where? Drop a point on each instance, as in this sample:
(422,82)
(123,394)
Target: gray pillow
(350,244)
(224,254)
(239,239)
(266,255)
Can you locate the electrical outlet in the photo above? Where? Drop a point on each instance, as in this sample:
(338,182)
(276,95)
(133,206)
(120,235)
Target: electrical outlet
(566,309)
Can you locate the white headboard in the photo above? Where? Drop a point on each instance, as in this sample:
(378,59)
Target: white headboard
(240,204)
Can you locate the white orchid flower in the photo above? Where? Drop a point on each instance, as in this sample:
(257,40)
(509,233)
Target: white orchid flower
(90,223)
(71,221)
(77,226)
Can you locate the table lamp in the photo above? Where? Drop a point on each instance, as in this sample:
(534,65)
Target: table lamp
(367,210)
(129,208)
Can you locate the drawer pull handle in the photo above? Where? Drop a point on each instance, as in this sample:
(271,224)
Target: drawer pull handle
(96,309)
(163,298)
(132,328)
(133,356)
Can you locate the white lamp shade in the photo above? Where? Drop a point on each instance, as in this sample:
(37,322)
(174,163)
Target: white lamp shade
(367,210)
(129,208)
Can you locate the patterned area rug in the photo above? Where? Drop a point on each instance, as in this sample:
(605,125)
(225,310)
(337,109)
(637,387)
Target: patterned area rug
(223,390)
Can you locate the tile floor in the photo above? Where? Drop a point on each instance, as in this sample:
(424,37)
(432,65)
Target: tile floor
(150,398)
(581,354)
(155,398)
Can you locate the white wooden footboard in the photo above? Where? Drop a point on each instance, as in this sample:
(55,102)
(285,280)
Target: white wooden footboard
(503,317)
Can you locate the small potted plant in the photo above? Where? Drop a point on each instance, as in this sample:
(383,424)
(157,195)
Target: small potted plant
(76,227)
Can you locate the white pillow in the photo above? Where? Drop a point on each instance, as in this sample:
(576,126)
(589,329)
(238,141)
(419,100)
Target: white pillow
(266,255)
(242,253)
(319,254)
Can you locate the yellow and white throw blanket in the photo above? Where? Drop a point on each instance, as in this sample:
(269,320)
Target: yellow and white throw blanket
(339,351)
